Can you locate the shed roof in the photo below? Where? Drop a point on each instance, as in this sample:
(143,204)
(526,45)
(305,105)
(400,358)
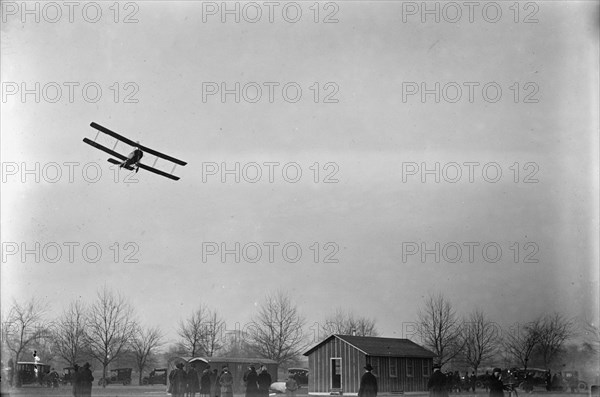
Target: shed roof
(376,346)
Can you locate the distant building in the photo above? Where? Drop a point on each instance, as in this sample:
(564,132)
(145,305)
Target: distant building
(337,363)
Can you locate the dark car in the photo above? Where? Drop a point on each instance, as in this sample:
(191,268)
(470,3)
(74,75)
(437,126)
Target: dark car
(300,375)
(119,375)
(157,377)
(572,381)
(67,376)
(31,373)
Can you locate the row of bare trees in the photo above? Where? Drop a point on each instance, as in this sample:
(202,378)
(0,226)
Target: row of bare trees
(476,339)
(104,331)
(107,330)
(275,332)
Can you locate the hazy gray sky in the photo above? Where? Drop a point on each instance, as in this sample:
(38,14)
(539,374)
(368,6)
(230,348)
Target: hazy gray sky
(368,129)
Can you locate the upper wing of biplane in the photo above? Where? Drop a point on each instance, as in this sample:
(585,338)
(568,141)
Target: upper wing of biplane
(129,142)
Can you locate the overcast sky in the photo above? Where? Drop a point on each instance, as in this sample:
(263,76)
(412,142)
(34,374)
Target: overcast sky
(352,104)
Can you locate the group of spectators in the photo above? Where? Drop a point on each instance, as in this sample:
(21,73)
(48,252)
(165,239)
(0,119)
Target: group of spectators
(438,384)
(211,383)
(257,383)
(458,383)
(453,381)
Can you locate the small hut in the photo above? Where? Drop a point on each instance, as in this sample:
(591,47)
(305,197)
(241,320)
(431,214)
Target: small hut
(337,363)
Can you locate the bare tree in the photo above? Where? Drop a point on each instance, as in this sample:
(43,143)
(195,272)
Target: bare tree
(439,328)
(554,330)
(144,344)
(110,328)
(201,332)
(276,331)
(481,338)
(214,327)
(25,325)
(236,344)
(520,342)
(591,337)
(347,323)
(68,333)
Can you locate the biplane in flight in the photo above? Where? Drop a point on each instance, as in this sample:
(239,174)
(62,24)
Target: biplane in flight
(132,162)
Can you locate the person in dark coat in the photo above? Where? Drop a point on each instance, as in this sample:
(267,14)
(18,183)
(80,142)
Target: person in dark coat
(548,380)
(205,382)
(193,383)
(456,382)
(178,381)
(496,385)
(252,382)
(53,378)
(473,380)
(75,382)
(86,378)
(437,383)
(557,382)
(264,382)
(214,384)
(368,383)
(10,372)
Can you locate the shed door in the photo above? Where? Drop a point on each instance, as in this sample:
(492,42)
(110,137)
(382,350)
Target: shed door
(336,373)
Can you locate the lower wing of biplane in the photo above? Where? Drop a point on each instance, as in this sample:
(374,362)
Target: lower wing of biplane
(129,142)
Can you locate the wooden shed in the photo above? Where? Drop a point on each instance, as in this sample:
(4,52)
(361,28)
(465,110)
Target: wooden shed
(237,367)
(337,363)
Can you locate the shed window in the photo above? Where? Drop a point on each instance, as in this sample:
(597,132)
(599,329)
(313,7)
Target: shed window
(393,368)
(410,370)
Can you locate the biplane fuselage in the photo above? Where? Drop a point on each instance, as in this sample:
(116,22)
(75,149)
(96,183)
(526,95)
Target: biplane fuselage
(132,162)
(133,159)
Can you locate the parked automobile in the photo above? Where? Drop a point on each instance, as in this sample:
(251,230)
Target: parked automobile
(572,381)
(528,379)
(300,375)
(119,375)
(67,376)
(158,376)
(30,373)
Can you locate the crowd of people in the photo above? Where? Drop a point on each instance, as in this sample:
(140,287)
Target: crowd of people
(440,384)
(453,381)
(211,383)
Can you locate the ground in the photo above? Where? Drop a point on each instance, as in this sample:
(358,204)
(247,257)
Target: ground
(150,391)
